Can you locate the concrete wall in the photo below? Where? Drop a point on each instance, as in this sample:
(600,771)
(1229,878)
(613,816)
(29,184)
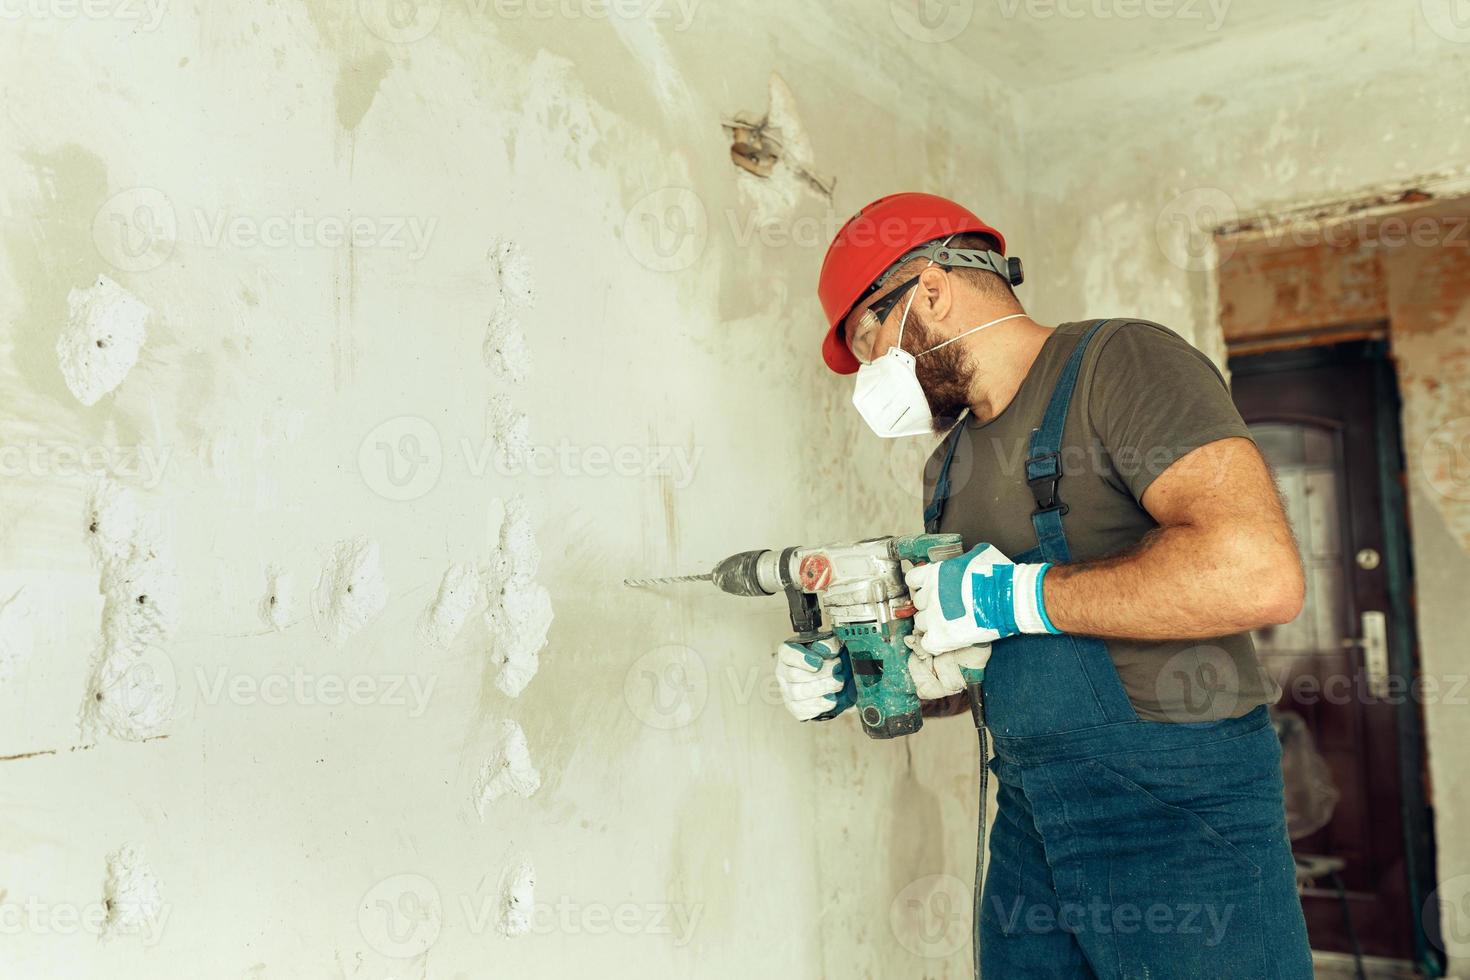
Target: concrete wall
(1139,167)
(359,307)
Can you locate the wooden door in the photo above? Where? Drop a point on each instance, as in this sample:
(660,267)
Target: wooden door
(1326,420)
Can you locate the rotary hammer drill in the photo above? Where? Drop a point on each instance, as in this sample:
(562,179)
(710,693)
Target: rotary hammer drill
(861,591)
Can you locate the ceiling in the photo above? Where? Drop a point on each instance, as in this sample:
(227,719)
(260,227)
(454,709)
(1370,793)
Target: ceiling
(1035,43)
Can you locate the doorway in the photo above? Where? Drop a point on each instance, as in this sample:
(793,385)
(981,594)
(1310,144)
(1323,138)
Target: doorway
(1326,418)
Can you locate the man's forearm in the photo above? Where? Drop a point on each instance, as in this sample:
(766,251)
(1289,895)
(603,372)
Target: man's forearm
(1179,583)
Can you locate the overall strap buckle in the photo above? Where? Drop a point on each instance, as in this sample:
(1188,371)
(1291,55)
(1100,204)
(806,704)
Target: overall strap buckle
(1043,475)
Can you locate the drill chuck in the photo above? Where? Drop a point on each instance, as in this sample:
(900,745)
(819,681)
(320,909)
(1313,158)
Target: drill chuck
(749,573)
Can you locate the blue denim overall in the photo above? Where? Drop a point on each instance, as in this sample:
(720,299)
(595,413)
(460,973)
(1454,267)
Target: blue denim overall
(1122,847)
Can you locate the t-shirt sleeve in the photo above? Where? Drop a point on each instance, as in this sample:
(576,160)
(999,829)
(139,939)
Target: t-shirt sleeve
(1154,399)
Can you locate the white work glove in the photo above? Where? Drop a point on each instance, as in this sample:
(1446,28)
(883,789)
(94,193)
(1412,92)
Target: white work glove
(978,597)
(815,679)
(938,675)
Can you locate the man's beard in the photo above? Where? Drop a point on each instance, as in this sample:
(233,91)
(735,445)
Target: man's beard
(945,374)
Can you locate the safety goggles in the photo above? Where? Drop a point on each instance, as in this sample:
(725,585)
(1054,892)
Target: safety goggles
(872,318)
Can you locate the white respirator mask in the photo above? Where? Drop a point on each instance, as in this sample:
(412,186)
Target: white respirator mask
(887,392)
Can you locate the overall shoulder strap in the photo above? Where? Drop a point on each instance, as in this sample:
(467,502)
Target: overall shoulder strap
(1044,457)
(935,510)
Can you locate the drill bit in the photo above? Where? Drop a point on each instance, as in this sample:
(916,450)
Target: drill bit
(648,583)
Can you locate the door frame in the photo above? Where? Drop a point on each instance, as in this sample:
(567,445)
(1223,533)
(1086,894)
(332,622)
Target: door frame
(1403,650)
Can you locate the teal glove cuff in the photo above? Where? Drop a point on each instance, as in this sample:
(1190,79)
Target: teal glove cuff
(1041,600)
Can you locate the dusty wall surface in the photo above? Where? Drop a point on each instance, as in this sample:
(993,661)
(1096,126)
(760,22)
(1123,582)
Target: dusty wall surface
(1141,166)
(402,336)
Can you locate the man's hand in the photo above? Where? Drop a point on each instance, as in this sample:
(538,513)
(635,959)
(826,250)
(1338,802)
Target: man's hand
(938,676)
(979,597)
(815,679)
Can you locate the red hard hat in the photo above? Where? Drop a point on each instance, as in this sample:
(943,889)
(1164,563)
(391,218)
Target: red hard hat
(871,241)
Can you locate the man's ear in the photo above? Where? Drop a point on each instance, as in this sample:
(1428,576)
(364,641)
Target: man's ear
(935,293)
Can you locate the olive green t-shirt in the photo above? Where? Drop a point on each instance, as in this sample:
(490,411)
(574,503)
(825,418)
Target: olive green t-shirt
(1144,398)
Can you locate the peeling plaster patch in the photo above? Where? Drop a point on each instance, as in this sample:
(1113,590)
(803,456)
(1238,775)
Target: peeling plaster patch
(508,771)
(553,95)
(130,694)
(100,343)
(513,276)
(278,605)
(640,35)
(509,430)
(775,157)
(459,591)
(1113,248)
(519,613)
(17,641)
(517,898)
(518,625)
(357,87)
(505,346)
(518,547)
(131,894)
(350,590)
